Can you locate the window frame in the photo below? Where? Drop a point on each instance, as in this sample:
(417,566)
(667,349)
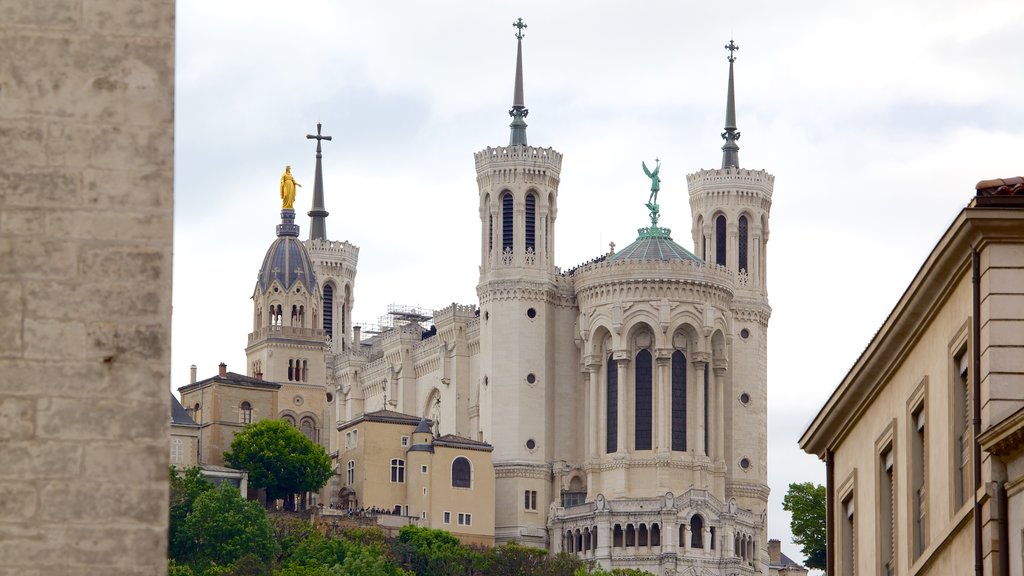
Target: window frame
(397,471)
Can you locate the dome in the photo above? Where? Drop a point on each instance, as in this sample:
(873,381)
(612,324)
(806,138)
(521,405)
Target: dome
(654,243)
(287,260)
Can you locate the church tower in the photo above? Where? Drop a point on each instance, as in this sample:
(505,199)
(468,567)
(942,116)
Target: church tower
(730,208)
(526,321)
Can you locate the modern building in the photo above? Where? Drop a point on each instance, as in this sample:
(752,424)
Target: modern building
(923,440)
(615,410)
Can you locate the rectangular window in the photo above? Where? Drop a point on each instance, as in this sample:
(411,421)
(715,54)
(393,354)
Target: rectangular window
(405,441)
(462,519)
(177,450)
(465,519)
(919,480)
(397,470)
(962,433)
(530,500)
(611,414)
(847,537)
(423,469)
(424,491)
(447,517)
(573,498)
(886,513)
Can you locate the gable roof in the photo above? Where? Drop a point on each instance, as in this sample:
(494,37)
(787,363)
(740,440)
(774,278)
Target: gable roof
(180,416)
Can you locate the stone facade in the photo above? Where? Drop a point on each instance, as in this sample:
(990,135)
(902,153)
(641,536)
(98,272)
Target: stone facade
(898,434)
(85,220)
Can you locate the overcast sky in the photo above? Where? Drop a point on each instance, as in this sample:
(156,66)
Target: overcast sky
(876,118)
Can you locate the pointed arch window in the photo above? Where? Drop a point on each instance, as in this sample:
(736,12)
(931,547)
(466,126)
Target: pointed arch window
(742,249)
(329,310)
(678,401)
(644,401)
(720,240)
(531,222)
(612,407)
(506,221)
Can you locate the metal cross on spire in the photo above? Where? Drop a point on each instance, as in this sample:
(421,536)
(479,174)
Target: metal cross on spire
(318,137)
(520,25)
(732,47)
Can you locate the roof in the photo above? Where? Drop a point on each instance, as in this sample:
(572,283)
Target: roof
(180,416)
(453,441)
(231,378)
(287,260)
(385,416)
(654,243)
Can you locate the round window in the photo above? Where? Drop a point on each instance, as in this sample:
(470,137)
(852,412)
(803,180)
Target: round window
(744,333)
(531,313)
(297,400)
(330,397)
(530,444)
(530,378)
(745,463)
(744,398)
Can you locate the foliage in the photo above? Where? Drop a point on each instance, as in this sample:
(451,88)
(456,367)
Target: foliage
(222,528)
(431,552)
(357,552)
(614,572)
(185,488)
(806,504)
(279,459)
(175,569)
(289,532)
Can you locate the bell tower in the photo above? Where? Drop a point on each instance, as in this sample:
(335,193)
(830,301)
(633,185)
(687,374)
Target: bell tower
(521,307)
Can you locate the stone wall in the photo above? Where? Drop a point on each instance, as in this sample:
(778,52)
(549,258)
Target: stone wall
(86,159)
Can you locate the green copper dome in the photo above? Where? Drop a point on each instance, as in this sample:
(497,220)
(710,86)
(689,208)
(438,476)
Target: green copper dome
(654,243)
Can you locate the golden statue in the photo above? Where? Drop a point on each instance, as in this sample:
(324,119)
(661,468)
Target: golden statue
(288,185)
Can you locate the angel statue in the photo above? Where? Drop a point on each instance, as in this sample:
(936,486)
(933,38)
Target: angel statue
(655,183)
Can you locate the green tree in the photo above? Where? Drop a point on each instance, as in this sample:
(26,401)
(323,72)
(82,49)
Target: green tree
(223,529)
(279,459)
(185,488)
(432,552)
(806,504)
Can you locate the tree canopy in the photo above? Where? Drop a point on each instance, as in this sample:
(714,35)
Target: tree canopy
(185,488)
(279,459)
(806,504)
(222,528)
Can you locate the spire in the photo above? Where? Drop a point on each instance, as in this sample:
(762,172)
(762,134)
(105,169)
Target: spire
(518,111)
(318,215)
(730,151)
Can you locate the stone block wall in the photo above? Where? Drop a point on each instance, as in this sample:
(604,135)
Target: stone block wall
(86,160)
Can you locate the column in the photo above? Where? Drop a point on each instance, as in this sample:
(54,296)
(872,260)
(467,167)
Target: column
(593,366)
(698,441)
(622,364)
(663,402)
(719,412)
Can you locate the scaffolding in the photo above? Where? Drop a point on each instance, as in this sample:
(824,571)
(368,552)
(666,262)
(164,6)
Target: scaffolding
(399,315)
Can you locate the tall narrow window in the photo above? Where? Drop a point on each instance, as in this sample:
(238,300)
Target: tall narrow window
(506,221)
(308,429)
(245,413)
(397,470)
(461,473)
(612,408)
(531,222)
(350,472)
(328,308)
(707,414)
(961,430)
(720,240)
(678,401)
(849,556)
(291,370)
(642,429)
(886,514)
(305,378)
(919,481)
(490,232)
(697,531)
(741,251)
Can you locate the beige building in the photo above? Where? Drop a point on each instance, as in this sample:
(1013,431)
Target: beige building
(910,488)
(393,462)
(184,437)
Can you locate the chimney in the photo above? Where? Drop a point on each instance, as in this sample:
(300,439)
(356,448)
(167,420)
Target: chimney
(259,375)
(356,335)
(192,375)
(223,369)
(774,552)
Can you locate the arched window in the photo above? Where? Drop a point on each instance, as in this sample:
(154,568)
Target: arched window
(678,401)
(506,221)
(612,408)
(579,540)
(641,539)
(655,535)
(295,315)
(328,308)
(308,429)
(462,473)
(291,370)
(350,473)
(696,531)
(711,537)
(490,232)
(305,378)
(644,401)
(630,535)
(302,316)
(707,411)
(288,419)
(742,250)
(593,537)
(245,413)
(617,536)
(568,541)
(720,234)
(531,222)
(398,470)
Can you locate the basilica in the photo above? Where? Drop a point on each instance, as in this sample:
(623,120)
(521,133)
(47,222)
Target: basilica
(615,409)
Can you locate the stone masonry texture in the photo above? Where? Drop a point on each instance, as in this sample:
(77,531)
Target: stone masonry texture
(86,171)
